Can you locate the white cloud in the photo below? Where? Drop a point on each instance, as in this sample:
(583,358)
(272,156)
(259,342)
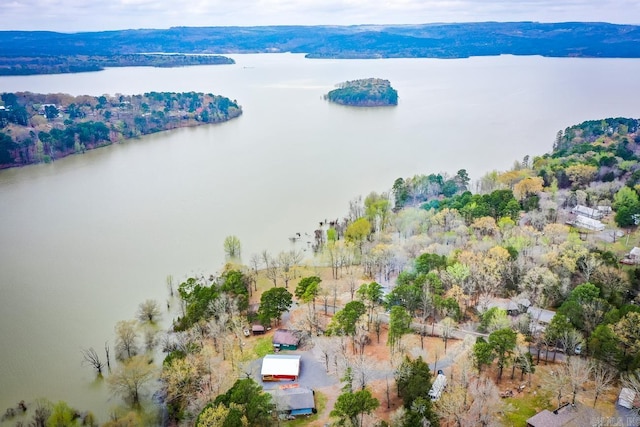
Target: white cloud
(82,15)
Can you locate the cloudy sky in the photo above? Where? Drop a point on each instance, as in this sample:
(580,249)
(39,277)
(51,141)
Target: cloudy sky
(94,15)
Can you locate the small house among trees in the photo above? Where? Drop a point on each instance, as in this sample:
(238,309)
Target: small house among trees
(284,339)
(567,415)
(540,318)
(294,401)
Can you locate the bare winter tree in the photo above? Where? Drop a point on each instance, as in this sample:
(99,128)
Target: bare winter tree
(452,405)
(126,339)
(558,383)
(486,401)
(255,264)
(91,358)
(170,285)
(353,285)
(362,369)
(272,269)
(579,371)
(287,261)
(447,325)
(148,311)
(602,377)
(106,352)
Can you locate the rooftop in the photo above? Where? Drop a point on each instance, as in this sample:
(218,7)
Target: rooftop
(281,364)
(568,415)
(286,337)
(292,398)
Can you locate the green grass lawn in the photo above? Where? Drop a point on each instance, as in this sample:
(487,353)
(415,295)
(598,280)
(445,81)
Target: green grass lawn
(521,409)
(262,347)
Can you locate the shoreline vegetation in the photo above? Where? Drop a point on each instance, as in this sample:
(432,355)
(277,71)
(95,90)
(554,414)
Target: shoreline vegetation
(40,128)
(46,52)
(24,65)
(369,92)
(450,278)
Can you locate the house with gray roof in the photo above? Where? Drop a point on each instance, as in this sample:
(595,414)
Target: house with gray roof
(293,400)
(567,415)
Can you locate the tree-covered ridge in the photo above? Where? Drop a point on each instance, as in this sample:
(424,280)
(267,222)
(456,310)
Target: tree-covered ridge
(48,64)
(38,128)
(370,92)
(457,40)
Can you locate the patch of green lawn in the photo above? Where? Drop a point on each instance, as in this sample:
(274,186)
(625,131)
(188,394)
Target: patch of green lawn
(519,410)
(262,347)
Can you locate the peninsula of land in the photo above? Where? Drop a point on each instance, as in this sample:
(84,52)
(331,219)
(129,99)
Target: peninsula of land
(37,128)
(364,93)
(63,63)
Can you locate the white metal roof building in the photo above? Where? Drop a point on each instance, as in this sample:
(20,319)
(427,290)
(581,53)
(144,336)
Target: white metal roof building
(278,367)
(588,223)
(586,211)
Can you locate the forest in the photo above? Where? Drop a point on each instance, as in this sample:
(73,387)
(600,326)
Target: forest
(36,128)
(364,93)
(47,64)
(38,52)
(492,284)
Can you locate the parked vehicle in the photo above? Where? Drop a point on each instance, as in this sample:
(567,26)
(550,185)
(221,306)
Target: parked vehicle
(438,386)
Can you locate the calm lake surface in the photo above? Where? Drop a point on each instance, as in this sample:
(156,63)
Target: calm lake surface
(84,240)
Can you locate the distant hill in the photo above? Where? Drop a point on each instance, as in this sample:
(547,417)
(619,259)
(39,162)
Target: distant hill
(571,39)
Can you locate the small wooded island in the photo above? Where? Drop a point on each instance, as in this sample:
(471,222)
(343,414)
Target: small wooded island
(37,128)
(370,92)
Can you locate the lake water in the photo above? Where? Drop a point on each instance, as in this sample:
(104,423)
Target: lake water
(84,240)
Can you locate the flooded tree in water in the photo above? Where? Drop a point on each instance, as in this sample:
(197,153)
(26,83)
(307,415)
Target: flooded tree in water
(232,247)
(148,311)
(91,358)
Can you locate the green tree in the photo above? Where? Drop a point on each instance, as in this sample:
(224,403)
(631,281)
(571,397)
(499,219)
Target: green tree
(273,303)
(357,232)
(371,294)
(627,207)
(399,325)
(351,407)
(222,416)
(235,283)
(427,262)
(503,342)
(308,288)
(413,380)
(603,345)
(401,193)
(493,319)
(63,415)
(248,395)
(483,354)
(627,330)
(584,308)
(232,247)
(198,297)
(344,322)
